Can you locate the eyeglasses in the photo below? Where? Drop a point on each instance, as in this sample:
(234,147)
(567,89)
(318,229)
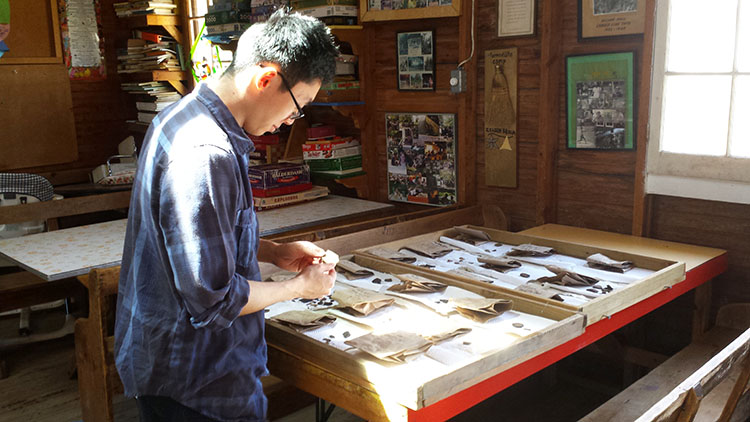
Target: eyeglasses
(299,114)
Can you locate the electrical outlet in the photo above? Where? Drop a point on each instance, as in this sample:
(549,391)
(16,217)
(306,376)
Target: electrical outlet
(458,81)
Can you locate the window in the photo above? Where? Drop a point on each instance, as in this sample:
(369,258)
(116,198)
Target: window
(699,132)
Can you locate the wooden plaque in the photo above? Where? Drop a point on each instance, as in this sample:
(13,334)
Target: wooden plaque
(500,106)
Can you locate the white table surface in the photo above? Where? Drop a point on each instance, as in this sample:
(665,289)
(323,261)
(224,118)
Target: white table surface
(71,252)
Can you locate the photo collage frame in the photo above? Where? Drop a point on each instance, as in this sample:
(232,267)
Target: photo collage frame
(421,154)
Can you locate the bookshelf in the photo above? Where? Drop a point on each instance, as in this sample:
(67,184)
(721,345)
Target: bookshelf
(353,108)
(179,79)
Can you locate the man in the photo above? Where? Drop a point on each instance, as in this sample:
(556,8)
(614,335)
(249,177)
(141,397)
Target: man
(189,331)
(4,19)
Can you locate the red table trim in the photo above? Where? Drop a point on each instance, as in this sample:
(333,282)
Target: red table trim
(477,393)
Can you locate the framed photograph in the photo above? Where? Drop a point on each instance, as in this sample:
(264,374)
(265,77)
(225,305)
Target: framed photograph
(416,61)
(421,153)
(389,10)
(600,106)
(516,18)
(609,18)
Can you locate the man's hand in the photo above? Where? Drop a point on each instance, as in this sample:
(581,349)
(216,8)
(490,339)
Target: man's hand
(296,256)
(315,281)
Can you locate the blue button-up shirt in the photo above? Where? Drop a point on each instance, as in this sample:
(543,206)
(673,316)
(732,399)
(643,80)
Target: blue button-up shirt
(191,245)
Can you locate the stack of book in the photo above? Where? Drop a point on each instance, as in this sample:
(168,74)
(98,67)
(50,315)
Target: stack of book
(275,185)
(151,98)
(332,12)
(141,55)
(331,157)
(145,7)
(345,86)
(227,19)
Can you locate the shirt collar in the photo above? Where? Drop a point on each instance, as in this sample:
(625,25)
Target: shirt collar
(224,117)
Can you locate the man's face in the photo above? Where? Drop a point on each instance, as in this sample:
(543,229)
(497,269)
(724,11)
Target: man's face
(278,106)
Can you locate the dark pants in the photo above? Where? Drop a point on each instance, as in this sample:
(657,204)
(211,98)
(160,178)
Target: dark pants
(164,409)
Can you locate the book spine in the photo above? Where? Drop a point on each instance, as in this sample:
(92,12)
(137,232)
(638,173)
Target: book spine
(148,36)
(324,11)
(318,132)
(291,198)
(304,4)
(282,190)
(336,164)
(334,153)
(328,145)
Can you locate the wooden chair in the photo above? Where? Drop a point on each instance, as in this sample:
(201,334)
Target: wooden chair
(682,403)
(704,382)
(98,380)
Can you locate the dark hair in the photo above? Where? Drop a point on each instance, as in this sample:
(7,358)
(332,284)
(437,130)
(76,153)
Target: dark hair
(302,46)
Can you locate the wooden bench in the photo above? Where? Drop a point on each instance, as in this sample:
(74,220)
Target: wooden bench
(704,381)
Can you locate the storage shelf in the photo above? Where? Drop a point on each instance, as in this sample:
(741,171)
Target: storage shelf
(335,27)
(338,104)
(151,20)
(155,75)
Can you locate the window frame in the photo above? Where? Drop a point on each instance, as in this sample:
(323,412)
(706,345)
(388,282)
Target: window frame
(722,178)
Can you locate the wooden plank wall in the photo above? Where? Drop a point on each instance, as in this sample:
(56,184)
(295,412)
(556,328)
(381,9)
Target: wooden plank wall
(592,189)
(382,80)
(100,110)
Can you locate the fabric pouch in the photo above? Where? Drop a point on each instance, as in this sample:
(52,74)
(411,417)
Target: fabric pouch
(302,321)
(393,255)
(439,338)
(353,271)
(430,249)
(528,249)
(358,301)
(411,283)
(394,347)
(564,277)
(469,235)
(481,309)
(539,290)
(602,262)
(501,264)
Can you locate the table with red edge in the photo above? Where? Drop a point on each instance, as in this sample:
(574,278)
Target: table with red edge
(702,264)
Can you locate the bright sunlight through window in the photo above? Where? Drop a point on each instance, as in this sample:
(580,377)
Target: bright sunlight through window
(700,104)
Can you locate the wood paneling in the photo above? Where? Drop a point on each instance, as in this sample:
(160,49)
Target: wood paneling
(37,125)
(30,41)
(595,189)
(100,109)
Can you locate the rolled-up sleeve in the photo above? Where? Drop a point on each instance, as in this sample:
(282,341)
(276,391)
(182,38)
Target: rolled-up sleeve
(197,214)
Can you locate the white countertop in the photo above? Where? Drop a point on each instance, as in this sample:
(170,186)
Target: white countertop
(74,251)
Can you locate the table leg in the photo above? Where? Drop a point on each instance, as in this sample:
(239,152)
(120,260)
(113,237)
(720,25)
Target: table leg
(702,311)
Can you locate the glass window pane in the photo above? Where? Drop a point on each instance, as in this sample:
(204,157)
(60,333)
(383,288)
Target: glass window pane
(740,135)
(701,36)
(743,38)
(696,114)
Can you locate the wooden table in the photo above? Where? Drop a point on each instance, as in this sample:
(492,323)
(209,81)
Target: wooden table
(75,251)
(702,264)
(61,255)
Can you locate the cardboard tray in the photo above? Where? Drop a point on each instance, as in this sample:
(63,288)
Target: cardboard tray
(666,273)
(399,383)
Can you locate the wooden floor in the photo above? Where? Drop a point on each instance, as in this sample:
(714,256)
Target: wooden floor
(39,388)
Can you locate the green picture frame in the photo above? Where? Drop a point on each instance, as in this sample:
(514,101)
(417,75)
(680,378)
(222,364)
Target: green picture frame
(600,101)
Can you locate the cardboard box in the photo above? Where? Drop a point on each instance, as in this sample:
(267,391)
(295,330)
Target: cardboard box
(271,176)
